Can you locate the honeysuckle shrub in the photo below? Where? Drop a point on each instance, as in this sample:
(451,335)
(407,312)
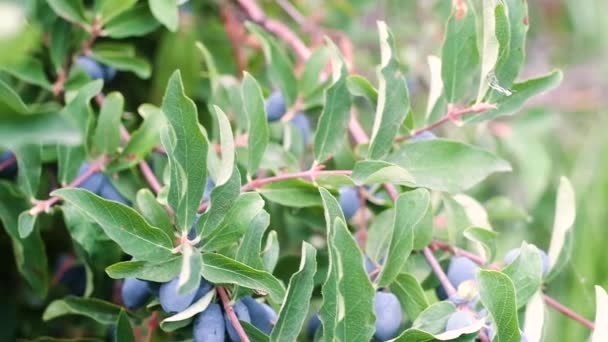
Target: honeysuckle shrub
(195,170)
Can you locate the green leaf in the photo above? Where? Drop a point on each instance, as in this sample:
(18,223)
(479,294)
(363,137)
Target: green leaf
(190,273)
(360,86)
(30,255)
(143,140)
(187,149)
(309,80)
(161,272)
(166,12)
(29,162)
(411,295)
(393,100)
(27,222)
(511,60)
(119,57)
(69,160)
(380,172)
(416,204)
(292,193)
(355,293)
(222,198)
(600,333)
(335,116)
(522,92)
(106,137)
(29,70)
(447,165)
(153,212)
(78,104)
(565,214)
(254,334)
(123,332)
(122,224)
(224,171)
(497,294)
(493,15)
(526,273)
(459,55)
(279,66)
(295,307)
(224,270)
(96,309)
(485,237)
(270,253)
(253,104)
(70,10)
(10,101)
(109,9)
(236,221)
(250,248)
(379,234)
(135,22)
(328,312)
(434,317)
(186,315)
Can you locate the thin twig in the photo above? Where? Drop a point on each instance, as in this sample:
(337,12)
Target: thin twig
(46,205)
(231,314)
(256,183)
(149,176)
(152,326)
(443,278)
(453,114)
(568,312)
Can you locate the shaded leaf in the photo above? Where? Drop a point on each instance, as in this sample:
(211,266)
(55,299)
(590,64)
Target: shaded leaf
(160,272)
(498,296)
(96,309)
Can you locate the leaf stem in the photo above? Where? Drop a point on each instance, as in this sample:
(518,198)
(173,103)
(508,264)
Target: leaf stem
(221,291)
(313,173)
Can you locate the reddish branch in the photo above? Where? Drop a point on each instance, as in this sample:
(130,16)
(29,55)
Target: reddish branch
(45,206)
(231,314)
(454,114)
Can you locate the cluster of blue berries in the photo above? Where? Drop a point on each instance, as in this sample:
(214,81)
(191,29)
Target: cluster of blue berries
(276,109)
(211,325)
(462,270)
(96,70)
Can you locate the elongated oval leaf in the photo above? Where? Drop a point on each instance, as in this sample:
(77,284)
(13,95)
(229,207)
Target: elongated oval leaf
(526,272)
(565,213)
(295,307)
(106,137)
(70,10)
(123,330)
(535,318)
(600,333)
(393,97)
(380,172)
(187,152)
(447,165)
(497,294)
(96,309)
(253,105)
(160,272)
(221,269)
(411,295)
(166,12)
(222,175)
(122,224)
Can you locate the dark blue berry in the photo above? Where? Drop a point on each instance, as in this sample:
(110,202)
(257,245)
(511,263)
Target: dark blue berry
(262,316)
(135,293)
(313,325)
(171,300)
(460,270)
(388,315)
(91,67)
(300,120)
(426,135)
(275,106)
(209,325)
(349,201)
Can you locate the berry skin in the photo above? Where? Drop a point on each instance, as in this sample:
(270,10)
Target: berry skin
(11,170)
(243,315)
(388,315)
(262,316)
(209,186)
(514,253)
(209,325)
(440,292)
(313,325)
(75,280)
(426,135)
(203,289)
(108,73)
(94,182)
(170,298)
(135,293)
(349,201)
(458,320)
(300,120)
(460,270)
(275,106)
(108,191)
(91,67)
